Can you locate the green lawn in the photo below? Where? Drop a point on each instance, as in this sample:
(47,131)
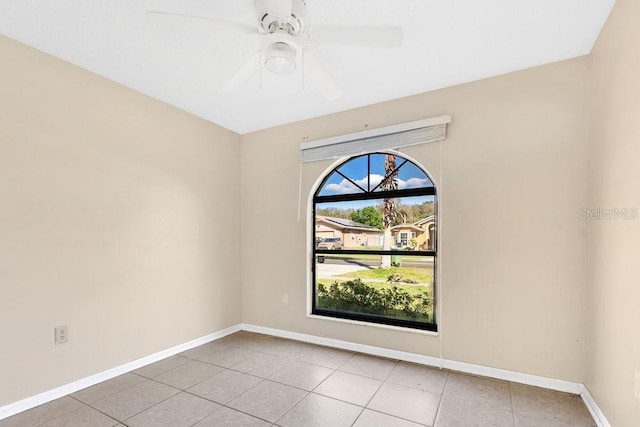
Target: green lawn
(412,289)
(421,275)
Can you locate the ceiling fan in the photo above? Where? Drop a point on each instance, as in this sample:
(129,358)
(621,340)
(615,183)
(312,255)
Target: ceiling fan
(287,42)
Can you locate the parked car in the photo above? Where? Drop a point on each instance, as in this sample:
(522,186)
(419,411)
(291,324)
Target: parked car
(331,243)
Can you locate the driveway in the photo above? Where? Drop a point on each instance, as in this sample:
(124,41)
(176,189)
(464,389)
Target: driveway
(330,270)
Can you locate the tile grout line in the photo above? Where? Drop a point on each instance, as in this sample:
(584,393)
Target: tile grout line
(110,394)
(225,405)
(61,415)
(375,357)
(444,389)
(329,376)
(386,381)
(366,406)
(513,408)
(242,394)
(391,371)
(298,357)
(358,417)
(152,406)
(291,408)
(97,410)
(397,416)
(374,394)
(170,370)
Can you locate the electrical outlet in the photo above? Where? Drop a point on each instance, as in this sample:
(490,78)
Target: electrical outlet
(61,334)
(638,384)
(285,298)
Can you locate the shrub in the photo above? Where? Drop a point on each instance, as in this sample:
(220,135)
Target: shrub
(357,296)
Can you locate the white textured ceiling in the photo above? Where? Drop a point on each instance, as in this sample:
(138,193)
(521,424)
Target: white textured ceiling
(446,42)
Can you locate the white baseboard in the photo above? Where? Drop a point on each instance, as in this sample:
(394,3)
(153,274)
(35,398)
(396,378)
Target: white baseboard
(469,368)
(515,377)
(58,392)
(594,409)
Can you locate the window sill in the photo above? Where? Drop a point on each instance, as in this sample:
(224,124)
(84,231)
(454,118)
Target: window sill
(374,325)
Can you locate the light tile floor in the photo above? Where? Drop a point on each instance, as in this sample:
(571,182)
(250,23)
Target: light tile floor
(248,379)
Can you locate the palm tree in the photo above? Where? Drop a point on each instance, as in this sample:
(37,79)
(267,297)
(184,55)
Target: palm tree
(388,206)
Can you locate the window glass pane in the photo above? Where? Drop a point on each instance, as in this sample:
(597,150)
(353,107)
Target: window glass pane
(411,176)
(360,224)
(407,176)
(427,237)
(377,170)
(354,284)
(337,184)
(356,170)
(377,164)
(357,225)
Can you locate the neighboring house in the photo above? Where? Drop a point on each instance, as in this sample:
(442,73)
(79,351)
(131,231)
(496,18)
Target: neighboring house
(353,234)
(426,239)
(403,234)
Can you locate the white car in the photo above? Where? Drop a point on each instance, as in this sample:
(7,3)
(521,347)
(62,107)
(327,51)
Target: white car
(331,243)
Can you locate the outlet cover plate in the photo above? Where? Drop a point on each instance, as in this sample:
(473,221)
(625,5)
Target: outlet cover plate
(61,334)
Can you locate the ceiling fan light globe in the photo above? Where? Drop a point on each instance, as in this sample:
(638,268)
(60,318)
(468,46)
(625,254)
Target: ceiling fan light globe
(280,58)
(280,65)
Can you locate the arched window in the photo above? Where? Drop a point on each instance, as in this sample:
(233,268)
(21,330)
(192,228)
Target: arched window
(374,242)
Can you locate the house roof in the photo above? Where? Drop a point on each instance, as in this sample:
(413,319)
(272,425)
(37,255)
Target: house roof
(347,224)
(424,220)
(444,43)
(407,225)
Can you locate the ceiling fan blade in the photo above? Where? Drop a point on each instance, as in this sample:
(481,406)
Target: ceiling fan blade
(244,73)
(319,78)
(279,8)
(195,21)
(367,36)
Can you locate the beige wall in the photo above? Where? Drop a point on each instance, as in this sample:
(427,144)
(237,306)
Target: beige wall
(613,309)
(118,218)
(513,251)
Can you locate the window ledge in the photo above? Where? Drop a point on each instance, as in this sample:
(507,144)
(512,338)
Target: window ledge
(375,325)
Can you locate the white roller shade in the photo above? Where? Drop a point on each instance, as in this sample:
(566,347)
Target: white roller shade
(387,138)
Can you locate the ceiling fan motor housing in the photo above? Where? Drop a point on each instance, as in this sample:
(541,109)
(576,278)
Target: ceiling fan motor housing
(272,21)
